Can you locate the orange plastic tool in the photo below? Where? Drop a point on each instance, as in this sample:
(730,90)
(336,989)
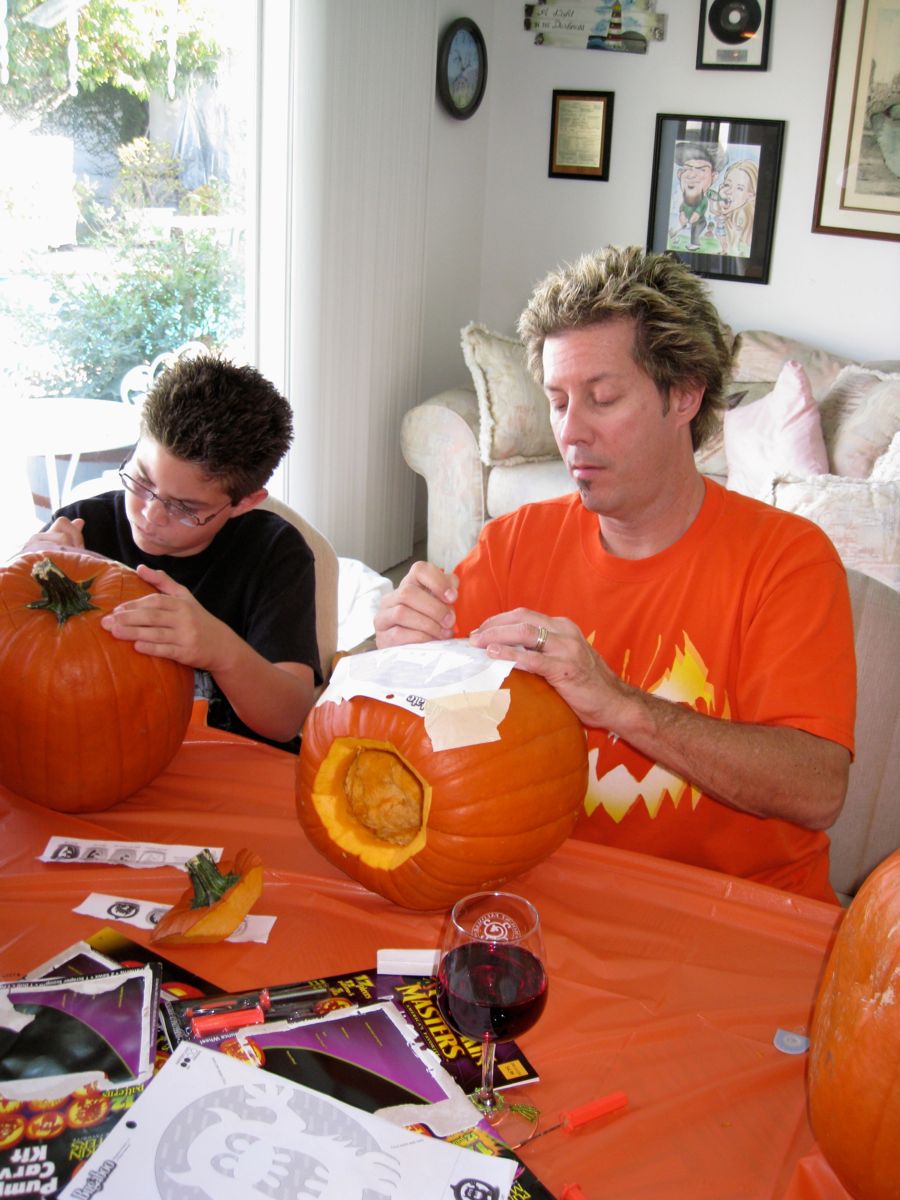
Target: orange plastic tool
(574,1118)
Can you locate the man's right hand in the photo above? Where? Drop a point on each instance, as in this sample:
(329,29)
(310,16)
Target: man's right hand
(62,533)
(420,609)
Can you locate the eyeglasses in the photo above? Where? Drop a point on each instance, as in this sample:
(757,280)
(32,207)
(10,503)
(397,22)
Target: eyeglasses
(174,508)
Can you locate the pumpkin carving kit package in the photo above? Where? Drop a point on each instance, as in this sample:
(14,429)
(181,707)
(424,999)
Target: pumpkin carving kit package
(413,997)
(345,1046)
(363,1053)
(75,1053)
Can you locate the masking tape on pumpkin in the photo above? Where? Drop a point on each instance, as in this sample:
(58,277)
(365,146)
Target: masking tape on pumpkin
(465,720)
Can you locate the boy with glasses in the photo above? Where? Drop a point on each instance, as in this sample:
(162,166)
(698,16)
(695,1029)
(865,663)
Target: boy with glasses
(236,585)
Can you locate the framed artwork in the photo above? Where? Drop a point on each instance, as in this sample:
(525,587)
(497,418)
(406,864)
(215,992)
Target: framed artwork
(858,189)
(580,135)
(714,192)
(734,35)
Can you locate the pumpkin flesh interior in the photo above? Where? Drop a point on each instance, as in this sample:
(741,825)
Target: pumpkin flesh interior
(349,766)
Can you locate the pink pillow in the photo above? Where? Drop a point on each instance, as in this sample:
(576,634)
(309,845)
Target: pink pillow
(781,434)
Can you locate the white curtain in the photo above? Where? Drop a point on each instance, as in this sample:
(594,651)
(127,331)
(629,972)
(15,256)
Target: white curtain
(342,328)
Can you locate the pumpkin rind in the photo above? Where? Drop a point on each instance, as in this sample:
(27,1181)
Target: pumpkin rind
(492,810)
(854,1063)
(188,923)
(85,720)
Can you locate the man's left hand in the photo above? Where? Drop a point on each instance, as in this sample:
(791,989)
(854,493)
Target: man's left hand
(556,649)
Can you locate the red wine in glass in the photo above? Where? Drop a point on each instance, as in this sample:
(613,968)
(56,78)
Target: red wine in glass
(492,982)
(491,990)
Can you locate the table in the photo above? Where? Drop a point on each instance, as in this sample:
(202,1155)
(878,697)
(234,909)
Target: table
(47,426)
(667,981)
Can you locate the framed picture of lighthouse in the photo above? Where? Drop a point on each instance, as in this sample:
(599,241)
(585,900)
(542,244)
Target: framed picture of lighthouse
(620,26)
(858,190)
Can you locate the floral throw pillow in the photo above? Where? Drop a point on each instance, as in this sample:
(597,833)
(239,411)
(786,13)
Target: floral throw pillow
(514,413)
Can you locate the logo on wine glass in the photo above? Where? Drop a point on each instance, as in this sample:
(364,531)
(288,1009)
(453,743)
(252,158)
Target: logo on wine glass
(496,927)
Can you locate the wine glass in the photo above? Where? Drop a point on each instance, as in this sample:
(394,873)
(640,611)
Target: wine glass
(491,981)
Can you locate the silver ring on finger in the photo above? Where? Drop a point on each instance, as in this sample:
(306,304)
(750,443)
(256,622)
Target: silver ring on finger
(543,634)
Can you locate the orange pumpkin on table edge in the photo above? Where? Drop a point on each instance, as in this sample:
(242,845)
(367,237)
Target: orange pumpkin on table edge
(489,812)
(85,719)
(854,1062)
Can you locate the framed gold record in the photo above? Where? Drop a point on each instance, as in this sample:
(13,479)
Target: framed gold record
(734,35)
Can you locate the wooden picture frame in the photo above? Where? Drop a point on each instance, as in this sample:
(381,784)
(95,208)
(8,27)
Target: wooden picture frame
(734,35)
(714,193)
(858,186)
(580,134)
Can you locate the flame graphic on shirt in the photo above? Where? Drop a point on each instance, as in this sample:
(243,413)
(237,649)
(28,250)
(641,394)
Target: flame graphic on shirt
(685,682)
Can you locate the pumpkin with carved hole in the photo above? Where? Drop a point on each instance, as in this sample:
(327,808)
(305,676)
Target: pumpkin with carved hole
(854,1060)
(423,827)
(85,719)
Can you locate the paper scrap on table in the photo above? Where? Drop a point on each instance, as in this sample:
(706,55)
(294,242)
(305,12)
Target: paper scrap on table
(98,852)
(207,1121)
(144,914)
(458,688)
(443,1117)
(416,961)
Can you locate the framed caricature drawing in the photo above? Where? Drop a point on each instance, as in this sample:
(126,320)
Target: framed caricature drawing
(714,192)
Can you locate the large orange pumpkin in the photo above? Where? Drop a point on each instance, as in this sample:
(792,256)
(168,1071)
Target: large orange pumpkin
(854,1063)
(488,812)
(85,720)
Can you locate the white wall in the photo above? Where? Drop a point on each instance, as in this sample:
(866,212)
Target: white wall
(497,223)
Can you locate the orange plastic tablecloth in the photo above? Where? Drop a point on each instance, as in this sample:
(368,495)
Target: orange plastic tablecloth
(666,981)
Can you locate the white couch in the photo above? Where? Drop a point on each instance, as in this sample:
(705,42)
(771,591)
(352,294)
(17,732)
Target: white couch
(486,449)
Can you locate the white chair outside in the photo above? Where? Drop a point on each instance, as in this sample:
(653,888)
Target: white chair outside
(138,381)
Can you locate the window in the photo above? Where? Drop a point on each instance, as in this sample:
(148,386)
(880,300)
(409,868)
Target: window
(127,208)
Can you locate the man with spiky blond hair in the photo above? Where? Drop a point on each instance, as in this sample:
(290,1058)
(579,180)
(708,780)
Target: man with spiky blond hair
(703,638)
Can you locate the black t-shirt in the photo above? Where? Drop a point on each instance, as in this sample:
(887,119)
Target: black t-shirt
(257,575)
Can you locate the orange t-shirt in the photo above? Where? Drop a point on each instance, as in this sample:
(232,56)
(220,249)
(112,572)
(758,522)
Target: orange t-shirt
(747,617)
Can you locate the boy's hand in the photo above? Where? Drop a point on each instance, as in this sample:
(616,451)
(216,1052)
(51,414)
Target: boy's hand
(62,534)
(171,624)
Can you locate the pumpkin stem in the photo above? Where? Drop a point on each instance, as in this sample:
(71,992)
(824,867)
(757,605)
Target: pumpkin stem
(210,885)
(62,595)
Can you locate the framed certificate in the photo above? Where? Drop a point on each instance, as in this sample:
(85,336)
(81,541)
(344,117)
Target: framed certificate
(580,135)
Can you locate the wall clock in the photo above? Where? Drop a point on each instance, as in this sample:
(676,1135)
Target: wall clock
(461,68)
